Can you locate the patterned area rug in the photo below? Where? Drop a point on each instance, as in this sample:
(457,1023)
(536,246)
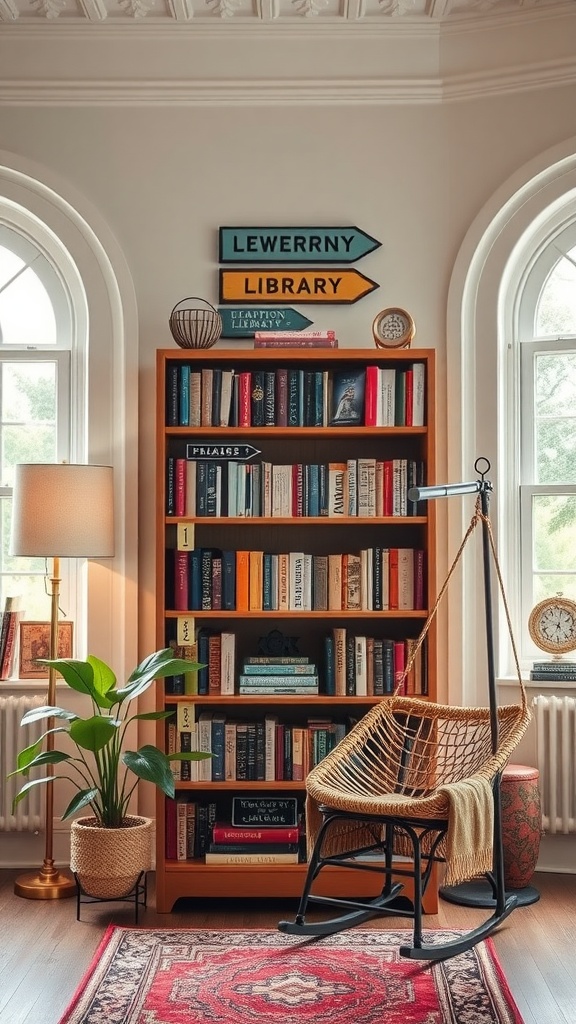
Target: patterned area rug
(189,976)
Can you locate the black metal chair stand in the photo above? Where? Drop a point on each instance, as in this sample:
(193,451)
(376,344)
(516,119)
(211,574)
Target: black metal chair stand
(424,836)
(138,894)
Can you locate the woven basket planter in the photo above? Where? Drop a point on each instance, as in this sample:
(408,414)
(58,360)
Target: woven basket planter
(109,861)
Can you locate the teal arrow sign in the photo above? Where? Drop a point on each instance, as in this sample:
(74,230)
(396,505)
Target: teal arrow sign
(242,323)
(295,245)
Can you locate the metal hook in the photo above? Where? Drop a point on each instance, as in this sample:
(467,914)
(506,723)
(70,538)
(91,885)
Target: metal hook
(477,464)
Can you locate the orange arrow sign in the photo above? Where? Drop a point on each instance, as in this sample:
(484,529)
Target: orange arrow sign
(294,285)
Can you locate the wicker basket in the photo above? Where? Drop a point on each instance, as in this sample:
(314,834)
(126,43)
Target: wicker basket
(195,327)
(109,861)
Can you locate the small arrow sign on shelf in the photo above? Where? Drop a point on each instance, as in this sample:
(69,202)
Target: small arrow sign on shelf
(221,452)
(242,323)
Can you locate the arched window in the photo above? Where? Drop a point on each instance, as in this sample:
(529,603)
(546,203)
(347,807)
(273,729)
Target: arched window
(511,396)
(547,344)
(68,391)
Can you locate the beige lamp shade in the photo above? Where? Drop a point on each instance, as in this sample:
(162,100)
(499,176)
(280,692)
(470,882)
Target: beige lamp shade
(62,510)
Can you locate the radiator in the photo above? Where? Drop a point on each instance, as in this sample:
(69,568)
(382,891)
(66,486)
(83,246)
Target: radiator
(556,747)
(29,815)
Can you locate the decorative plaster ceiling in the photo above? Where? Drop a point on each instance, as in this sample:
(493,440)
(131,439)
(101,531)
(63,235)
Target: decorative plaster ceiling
(409,12)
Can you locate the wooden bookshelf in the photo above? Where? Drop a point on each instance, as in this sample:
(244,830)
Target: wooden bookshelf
(317,535)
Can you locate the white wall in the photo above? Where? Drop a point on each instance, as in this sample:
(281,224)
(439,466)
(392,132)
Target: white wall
(167,144)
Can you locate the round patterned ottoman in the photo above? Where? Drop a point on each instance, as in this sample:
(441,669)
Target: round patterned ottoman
(521,829)
(521,824)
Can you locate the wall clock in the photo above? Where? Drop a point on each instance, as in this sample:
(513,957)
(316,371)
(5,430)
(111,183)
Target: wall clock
(393,328)
(552,625)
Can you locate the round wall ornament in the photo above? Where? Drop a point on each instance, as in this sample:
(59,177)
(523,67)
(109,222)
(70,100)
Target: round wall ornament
(393,328)
(552,625)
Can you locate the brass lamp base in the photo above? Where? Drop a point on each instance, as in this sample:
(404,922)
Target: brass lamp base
(46,884)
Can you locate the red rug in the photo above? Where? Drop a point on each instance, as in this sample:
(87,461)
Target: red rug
(189,976)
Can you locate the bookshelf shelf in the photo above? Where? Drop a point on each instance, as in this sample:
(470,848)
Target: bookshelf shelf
(297,522)
(293,615)
(366,624)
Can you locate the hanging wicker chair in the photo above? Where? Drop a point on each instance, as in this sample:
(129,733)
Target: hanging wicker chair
(418,779)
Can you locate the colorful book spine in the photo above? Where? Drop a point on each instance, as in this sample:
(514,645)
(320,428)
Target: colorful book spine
(223,833)
(251,858)
(263,847)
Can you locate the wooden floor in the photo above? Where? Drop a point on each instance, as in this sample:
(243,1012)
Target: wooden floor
(44,951)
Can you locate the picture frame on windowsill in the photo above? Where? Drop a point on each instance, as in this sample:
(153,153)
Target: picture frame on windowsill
(35,643)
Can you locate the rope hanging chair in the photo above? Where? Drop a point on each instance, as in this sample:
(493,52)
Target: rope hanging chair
(417,779)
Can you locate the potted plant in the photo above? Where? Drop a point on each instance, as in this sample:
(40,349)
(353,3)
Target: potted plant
(111,847)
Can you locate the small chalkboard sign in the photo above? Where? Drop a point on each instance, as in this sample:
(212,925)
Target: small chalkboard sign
(264,811)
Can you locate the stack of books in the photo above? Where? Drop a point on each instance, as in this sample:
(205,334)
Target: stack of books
(559,670)
(282,675)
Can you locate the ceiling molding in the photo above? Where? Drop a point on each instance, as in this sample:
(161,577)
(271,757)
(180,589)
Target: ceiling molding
(267,92)
(135,18)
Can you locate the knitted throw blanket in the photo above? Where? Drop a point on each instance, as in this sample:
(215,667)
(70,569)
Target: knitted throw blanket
(470,835)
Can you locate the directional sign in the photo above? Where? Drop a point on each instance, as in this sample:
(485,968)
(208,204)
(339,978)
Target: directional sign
(221,452)
(241,323)
(295,245)
(286,285)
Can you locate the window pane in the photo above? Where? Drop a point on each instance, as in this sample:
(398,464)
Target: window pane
(28,415)
(26,312)
(554,518)
(22,576)
(549,586)
(555,418)
(556,312)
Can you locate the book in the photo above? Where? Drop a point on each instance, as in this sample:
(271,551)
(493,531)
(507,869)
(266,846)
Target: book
(553,667)
(293,659)
(327,335)
(251,858)
(418,394)
(278,669)
(181,828)
(170,842)
(347,397)
(186,729)
(227,663)
(263,811)
(11,617)
(225,833)
(560,677)
(261,847)
(217,740)
(278,690)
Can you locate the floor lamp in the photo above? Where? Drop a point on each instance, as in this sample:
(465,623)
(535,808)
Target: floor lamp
(58,510)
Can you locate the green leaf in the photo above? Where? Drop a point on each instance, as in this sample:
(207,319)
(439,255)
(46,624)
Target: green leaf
(37,714)
(45,757)
(151,764)
(93,733)
(155,666)
(104,682)
(154,716)
(26,756)
(28,786)
(82,799)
